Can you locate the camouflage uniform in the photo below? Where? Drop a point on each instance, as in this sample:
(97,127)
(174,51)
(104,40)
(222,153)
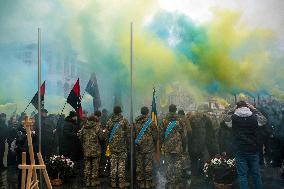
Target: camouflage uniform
(145,151)
(185,156)
(173,147)
(201,139)
(118,149)
(186,123)
(90,135)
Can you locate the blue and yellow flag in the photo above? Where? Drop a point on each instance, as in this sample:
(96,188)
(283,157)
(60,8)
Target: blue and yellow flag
(154,109)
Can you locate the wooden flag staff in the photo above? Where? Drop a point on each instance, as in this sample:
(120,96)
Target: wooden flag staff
(29,174)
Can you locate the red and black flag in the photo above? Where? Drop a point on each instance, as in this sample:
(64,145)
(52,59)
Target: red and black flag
(34,101)
(93,89)
(74,98)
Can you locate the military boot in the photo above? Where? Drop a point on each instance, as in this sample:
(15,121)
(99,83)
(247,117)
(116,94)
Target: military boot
(113,184)
(87,182)
(95,183)
(122,185)
(149,184)
(141,184)
(170,186)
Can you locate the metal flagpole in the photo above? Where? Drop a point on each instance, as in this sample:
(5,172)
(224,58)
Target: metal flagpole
(39,96)
(39,84)
(131,105)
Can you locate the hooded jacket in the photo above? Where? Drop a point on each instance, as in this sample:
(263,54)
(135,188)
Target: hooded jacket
(244,129)
(90,135)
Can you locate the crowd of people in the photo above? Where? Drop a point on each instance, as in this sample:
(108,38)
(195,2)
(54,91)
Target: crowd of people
(254,136)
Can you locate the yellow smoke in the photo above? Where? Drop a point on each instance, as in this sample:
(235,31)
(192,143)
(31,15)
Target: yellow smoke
(235,54)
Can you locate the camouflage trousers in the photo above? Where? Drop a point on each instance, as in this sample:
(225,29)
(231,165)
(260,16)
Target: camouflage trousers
(144,167)
(173,169)
(91,170)
(117,167)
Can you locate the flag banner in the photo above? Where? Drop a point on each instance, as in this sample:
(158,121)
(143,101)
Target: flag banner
(93,89)
(34,101)
(74,98)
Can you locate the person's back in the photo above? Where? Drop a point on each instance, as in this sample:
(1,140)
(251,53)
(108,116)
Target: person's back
(245,122)
(120,138)
(3,136)
(118,141)
(59,131)
(145,137)
(244,125)
(197,139)
(173,146)
(71,146)
(147,143)
(225,139)
(89,135)
(48,137)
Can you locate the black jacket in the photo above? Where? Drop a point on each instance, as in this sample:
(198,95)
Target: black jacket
(71,145)
(202,135)
(225,139)
(245,132)
(3,131)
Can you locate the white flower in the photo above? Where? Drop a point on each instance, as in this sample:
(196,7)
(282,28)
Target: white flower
(72,165)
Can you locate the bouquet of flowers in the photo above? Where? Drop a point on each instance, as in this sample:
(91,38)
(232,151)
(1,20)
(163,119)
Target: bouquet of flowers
(60,167)
(220,169)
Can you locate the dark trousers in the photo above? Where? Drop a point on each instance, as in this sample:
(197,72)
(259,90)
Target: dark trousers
(197,161)
(11,158)
(2,150)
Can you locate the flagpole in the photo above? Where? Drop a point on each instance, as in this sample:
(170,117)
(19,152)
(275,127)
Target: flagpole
(39,96)
(131,105)
(39,85)
(63,108)
(27,106)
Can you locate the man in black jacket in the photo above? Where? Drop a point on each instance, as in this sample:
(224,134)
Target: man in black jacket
(11,139)
(245,122)
(3,133)
(71,145)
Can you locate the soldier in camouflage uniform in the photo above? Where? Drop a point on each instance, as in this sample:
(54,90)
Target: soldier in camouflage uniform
(201,139)
(90,134)
(173,146)
(185,156)
(186,123)
(118,146)
(145,148)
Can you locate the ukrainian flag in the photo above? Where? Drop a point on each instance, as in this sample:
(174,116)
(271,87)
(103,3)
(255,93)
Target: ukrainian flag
(154,109)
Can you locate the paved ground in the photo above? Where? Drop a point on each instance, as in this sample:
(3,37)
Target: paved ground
(271,180)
